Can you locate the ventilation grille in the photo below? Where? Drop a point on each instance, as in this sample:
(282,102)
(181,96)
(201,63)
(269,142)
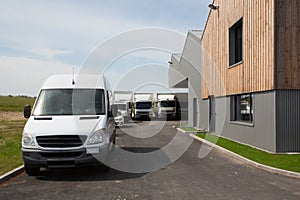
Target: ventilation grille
(61,141)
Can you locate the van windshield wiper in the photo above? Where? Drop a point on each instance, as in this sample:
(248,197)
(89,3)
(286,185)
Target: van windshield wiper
(88,118)
(43,118)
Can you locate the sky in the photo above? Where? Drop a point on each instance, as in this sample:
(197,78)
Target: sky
(133,40)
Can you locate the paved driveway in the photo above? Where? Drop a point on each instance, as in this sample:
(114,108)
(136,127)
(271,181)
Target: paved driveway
(217,176)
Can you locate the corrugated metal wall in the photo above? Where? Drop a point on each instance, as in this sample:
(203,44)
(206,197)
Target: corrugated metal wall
(288,120)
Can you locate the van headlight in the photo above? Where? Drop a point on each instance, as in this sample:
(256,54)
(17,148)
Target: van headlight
(27,140)
(96,138)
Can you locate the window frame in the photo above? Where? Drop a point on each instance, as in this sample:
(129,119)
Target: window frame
(236,109)
(235,51)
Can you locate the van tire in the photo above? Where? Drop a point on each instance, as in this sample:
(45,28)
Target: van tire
(114,140)
(32,170)
(104,168)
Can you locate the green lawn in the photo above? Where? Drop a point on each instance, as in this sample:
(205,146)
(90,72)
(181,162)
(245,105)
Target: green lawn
(10,144)
(11,132)
(14,104)
(281,161)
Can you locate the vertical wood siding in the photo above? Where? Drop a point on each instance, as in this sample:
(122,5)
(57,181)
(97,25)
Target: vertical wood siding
(288,44)
(256,72)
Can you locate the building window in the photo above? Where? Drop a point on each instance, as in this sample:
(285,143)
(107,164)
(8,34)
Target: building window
(241,108)
(236,43)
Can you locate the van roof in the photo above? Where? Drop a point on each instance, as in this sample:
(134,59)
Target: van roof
(80,81)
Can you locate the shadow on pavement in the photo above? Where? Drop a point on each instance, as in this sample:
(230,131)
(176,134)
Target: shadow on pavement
(86,174)
(140,149)
(95,173)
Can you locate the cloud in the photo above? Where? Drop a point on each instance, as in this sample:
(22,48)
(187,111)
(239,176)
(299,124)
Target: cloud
(49,53)
(20,75)
(79,25)
(63,25)
(39,38)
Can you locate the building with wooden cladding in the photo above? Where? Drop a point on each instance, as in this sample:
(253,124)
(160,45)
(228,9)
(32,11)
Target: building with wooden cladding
(250,73)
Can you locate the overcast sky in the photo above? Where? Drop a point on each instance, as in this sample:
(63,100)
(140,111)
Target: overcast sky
(40,38)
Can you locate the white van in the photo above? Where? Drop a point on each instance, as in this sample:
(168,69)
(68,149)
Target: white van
(122,113)
(71,123)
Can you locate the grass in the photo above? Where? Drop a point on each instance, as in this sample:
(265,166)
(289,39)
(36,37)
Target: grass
(192,130)
(290,162)
(10,145)
(11,132)
(14,104)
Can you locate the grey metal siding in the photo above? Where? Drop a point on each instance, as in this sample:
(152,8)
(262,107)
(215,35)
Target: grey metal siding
(261,134)
(288,120)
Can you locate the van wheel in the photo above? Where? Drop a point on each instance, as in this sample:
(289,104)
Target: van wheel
(104,168)
(32,170)
(114,140)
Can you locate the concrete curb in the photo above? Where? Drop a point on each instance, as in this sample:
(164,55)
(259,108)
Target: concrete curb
(11,174)
(247,161)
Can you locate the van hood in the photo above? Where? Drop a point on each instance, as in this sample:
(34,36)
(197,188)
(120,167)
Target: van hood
(64,125)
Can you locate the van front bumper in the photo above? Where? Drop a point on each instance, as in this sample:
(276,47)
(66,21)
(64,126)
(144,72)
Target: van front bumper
(63,158)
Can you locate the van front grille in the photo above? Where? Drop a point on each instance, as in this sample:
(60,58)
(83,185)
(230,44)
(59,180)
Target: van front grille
(61,141)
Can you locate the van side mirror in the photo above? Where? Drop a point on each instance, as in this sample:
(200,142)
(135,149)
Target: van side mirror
(27,111)
(114,110)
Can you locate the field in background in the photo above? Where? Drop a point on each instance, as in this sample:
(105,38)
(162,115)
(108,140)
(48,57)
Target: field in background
(14,104)
(11,128)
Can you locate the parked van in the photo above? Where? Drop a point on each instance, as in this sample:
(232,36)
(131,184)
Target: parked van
(71,123)
(122,113)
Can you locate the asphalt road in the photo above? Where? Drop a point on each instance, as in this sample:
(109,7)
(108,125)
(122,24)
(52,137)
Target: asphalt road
(217,176)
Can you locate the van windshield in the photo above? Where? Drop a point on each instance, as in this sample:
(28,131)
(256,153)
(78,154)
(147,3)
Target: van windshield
(70,102)
(167,103)
(143,105)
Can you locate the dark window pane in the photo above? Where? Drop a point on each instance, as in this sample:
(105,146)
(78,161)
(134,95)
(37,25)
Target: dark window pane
(241,108)
(143,105)
(236,43)
(245,111)
(167,103)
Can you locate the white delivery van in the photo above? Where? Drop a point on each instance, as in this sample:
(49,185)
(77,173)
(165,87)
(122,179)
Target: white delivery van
(70,125)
